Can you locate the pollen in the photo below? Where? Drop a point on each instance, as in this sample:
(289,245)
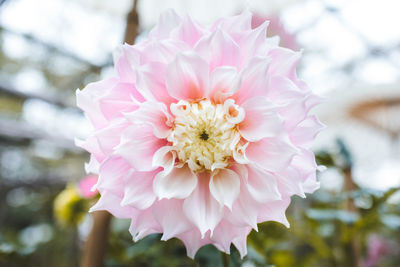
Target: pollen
(204,135)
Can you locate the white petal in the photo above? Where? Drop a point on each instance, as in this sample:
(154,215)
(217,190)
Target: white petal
(179,183)
(225,186)
(234,113)
(165,157)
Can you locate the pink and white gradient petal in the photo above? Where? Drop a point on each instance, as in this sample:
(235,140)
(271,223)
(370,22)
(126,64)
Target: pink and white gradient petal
(208,212)
(193,73)
(170,216)
(138,189)
(224,82)
(271,154)
(218,49)
(138,145)
(155,114)
(261,120)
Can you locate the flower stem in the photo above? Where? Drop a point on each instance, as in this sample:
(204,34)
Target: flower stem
(225,259)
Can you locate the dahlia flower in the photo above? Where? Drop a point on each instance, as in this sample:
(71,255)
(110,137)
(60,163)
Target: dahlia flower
(203,132)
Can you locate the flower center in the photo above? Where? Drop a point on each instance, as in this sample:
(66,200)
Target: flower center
(204,135)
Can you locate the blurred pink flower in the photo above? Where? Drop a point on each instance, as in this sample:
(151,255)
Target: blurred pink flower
(378,248)
(203,133)
(276,28)
(85,186)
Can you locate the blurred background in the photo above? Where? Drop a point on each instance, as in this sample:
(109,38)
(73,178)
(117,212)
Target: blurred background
(351,56)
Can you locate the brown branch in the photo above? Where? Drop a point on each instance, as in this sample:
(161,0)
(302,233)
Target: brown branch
(132,25)
(95,247)
(96,244)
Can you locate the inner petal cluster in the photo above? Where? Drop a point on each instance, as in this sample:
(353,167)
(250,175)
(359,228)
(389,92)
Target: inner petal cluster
(204,135)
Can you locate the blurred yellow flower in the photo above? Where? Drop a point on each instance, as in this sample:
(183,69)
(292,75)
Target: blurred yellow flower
(69,207)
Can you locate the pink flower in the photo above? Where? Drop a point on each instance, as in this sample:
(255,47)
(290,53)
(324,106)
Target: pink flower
(203,133)
(85,186)
(378,248)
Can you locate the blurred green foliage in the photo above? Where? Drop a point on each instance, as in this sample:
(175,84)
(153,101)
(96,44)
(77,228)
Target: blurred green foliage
(329,228)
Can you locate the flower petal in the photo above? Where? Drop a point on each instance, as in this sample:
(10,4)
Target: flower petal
(253,42)
(225,233)
(179,183)
(284,62)
(290,182)
(218,49)
(168,21)
(125,63)
(262,185)
(111,175)
(234,113)
(91,145)
(92,166)
(270,154)
(111,203)
(138,145)
(188,31)
(122,98)
(87,100)
(225,81)
(143,223)
(233,24)
(245,209)
(163,51)
(225,186)
(151,82)
(109,137)
(261,120)
(275,211)
(254,80)
(307,167)
(208,212)
(165,157)
(193,241)
(138,189)
(306,131)
(170,216)
(193,73)
(155,114)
